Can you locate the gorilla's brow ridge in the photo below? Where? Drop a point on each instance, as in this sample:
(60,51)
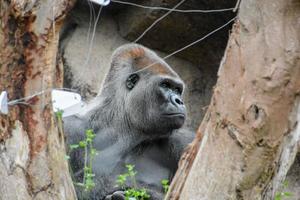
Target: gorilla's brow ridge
(133,53)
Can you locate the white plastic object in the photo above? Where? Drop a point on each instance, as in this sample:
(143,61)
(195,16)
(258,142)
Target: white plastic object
(69,103)
(3,103)
(101,2)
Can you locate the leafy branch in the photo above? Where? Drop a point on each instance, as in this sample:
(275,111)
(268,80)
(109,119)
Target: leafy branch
(89,153)
(165,185)
(133,193)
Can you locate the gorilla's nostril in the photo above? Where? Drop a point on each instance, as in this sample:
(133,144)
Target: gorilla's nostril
(178,101)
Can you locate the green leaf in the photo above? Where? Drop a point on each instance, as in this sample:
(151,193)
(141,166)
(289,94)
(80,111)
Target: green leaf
(136,194)
(82,143)
(130,167)
(67,157)
(74,146)
(287,194)
(59,114)
(88,175)
(121,179)
(87,170)
(90,134)
(94,152)
(164,182)
(278,197)
(132,193)
(165,185)
(285,183)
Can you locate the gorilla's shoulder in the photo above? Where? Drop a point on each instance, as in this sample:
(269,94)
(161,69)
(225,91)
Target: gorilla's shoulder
(74,127)
(74,124)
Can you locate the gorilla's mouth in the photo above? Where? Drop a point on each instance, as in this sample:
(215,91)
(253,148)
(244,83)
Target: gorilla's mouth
(175,115)
(174,120)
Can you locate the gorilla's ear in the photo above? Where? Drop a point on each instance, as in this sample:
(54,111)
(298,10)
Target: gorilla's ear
(132,80)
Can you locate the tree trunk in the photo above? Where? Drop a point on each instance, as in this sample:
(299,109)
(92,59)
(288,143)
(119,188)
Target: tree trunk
(32,151)
(252,127)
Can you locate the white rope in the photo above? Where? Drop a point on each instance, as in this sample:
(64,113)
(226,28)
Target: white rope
(174,10)
(159,19)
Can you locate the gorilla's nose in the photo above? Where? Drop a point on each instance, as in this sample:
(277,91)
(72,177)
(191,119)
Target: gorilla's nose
(176,101)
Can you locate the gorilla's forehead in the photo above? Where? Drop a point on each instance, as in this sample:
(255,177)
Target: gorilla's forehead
(160,69)
(155,65)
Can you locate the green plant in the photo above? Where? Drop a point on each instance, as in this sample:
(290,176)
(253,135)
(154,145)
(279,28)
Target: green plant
(59,114)
(138,194)
(165,185)
(283,195)
(132,192)
(89,153)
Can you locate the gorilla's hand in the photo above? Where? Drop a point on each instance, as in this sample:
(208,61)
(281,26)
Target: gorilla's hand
(118,195)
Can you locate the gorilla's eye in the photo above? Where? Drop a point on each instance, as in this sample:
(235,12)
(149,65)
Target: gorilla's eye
(132,80)
(165,84)
(178,90)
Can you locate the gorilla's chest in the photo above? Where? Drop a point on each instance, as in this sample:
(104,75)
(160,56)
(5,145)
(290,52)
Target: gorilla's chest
(152,163)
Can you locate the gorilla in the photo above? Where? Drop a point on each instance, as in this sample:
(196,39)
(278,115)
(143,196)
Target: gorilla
(137,118)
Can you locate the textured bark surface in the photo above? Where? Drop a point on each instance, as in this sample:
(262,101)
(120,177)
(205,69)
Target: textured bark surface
(32,154)
(251,129)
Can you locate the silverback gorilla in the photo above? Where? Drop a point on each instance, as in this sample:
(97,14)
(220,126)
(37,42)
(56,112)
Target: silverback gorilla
(137,119)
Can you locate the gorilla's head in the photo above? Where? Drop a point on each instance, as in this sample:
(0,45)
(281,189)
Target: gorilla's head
(147,92)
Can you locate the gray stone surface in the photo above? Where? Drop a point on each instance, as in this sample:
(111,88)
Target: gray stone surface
(179,29)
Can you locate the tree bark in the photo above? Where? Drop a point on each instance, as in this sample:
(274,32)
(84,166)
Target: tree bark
(32,151)
(252,127)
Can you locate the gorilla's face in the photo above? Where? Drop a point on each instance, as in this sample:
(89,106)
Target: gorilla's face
(155,103)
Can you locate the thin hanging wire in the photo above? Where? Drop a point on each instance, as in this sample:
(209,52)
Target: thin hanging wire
(174,10)
(91,19)
(159,19)
(92,38)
